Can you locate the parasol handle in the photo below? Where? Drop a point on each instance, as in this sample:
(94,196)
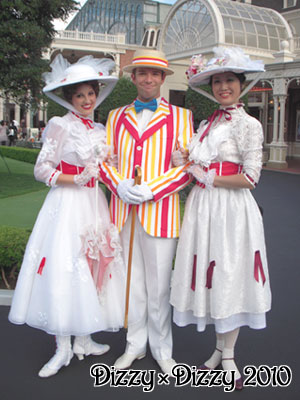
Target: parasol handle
(137,181)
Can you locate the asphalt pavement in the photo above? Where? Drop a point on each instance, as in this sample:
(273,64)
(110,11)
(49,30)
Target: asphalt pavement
(269,356)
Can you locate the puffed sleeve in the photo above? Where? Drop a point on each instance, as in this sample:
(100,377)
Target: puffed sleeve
(50,154)
(250,139)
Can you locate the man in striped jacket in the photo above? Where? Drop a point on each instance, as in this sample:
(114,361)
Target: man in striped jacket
(145,133)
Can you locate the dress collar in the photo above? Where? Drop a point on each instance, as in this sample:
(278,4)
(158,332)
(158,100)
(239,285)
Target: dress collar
(87,122)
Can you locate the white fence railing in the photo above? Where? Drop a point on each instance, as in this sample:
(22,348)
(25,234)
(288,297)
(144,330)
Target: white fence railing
(91,36)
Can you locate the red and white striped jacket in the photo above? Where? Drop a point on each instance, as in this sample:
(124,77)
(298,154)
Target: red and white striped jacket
(171,127)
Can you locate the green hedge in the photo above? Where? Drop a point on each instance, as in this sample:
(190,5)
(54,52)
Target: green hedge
(20,153)
(12,247)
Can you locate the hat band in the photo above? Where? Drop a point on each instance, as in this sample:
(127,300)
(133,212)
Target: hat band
(151,61)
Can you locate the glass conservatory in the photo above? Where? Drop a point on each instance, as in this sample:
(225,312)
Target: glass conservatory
(199,25)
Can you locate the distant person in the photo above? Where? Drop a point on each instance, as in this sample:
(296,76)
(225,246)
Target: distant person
(41,129)
(23,129)
(3,133)
(12,133)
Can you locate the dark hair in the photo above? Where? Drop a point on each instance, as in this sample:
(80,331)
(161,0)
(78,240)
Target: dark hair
(241,77)
(70,90)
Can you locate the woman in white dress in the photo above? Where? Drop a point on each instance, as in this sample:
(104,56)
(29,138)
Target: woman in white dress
(221,273)
(68,286)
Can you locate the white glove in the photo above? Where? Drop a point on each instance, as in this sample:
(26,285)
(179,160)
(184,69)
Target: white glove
(142,192)
(180,157)
(89,172)
(123,192)
(207,178)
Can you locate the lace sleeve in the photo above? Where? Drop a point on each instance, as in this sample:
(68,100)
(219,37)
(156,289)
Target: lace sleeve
(250,138)
(50,154)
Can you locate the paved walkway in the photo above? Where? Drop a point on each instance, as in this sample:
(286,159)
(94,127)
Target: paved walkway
(24,350)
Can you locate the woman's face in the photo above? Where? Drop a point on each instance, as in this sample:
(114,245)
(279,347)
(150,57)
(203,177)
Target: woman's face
(226,88)
(84,99)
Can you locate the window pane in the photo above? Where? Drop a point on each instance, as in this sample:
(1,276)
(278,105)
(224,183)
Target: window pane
(227,24)
(274,44)
(249,27)
(263,42)
(272,30)
(261,29)
(228,36)
(239,38)
(237,25)
(251,41)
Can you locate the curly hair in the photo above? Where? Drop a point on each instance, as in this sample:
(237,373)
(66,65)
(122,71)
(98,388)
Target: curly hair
(69,90)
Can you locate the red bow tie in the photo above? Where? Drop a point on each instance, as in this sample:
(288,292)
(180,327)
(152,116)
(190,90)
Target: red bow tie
(218,114)
(87,122)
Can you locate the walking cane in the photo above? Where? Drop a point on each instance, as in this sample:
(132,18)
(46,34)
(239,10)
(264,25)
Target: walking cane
(137,181)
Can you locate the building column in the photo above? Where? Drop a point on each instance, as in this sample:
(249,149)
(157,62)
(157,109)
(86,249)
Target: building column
(275,120)
(17,113)
(278,147)
(1,109)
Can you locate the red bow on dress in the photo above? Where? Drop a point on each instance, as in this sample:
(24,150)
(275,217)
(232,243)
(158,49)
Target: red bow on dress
(87,122)
(218,114)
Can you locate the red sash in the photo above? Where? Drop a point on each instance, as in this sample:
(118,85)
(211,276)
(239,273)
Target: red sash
(223,169)
(70,169)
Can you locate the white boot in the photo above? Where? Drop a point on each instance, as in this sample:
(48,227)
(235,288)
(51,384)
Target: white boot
(85,346)
(62,357)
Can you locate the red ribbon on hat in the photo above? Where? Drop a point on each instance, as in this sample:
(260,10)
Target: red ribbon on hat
(87,122)
(218,114)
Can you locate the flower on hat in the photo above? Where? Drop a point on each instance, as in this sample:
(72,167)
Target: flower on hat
(198,63)
(230,58)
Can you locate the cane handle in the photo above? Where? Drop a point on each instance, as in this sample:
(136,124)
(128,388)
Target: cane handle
(137,175)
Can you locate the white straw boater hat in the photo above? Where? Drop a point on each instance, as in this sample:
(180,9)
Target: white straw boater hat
(85,69)
(146,58)
(231,59)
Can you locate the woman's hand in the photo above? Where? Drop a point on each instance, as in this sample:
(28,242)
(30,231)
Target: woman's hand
(207,178)
(112,160)
(89,172)
(180,157)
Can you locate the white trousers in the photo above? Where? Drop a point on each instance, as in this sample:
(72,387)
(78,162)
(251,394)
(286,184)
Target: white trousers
(149,307)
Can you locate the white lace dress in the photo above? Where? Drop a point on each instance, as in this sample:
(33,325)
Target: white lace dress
(222,237)
(55,291)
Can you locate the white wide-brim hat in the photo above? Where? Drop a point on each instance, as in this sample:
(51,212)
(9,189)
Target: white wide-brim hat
(231,59)
(146,58)
(85,69)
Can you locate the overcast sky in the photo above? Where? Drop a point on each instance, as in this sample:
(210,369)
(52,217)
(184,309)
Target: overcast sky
(61,25)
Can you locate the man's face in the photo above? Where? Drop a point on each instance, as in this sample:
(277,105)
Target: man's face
(148,82)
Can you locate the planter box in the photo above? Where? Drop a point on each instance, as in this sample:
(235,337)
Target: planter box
(6,297)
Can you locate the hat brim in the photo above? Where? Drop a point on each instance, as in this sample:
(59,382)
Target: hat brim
(203,78)
(109,81)
(101,79)
(130,68)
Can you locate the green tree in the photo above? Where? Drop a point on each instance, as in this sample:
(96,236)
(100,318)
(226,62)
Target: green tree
(26,31)
(200,105)
(124,93)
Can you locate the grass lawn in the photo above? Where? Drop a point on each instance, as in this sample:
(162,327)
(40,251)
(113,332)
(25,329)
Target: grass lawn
(20,181)
(21,196)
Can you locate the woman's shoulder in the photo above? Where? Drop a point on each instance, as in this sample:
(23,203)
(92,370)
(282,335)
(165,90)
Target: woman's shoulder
(251,121)
(58,120)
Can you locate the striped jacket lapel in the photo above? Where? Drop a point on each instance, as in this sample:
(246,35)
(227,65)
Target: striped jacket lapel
(130,121)
(158,119)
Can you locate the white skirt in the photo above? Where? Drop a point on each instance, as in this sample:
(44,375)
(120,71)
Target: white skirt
(55,290)
(221,274)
